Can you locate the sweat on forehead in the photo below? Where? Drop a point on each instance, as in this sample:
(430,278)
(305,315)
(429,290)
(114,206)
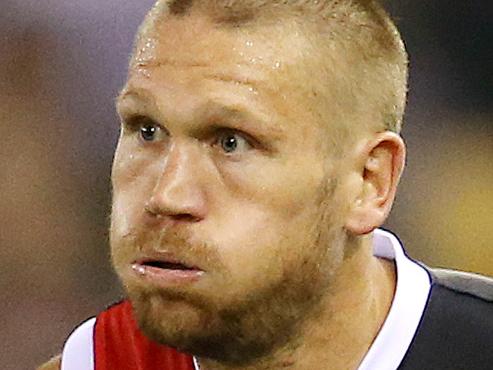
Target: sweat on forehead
(363,62)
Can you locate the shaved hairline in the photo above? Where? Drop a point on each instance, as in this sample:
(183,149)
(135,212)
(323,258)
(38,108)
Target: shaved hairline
(361,51)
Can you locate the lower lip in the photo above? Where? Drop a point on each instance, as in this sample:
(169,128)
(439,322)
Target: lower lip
(165,276)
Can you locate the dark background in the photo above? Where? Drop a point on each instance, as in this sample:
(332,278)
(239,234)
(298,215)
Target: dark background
(63,61)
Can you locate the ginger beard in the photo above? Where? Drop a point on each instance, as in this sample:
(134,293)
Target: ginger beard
(236,318)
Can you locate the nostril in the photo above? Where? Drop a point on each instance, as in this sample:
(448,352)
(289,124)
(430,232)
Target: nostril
(183,213)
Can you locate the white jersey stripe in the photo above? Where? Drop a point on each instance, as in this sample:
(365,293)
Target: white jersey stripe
(411,295)
(78,352)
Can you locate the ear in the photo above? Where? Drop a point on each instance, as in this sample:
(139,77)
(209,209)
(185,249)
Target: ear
(381,162)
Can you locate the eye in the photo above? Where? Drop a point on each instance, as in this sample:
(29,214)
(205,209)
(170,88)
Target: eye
(230,142)
(148,132)
(144,128)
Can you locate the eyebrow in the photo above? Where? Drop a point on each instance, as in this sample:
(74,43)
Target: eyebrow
(142,93)
(236,115)
(241,118)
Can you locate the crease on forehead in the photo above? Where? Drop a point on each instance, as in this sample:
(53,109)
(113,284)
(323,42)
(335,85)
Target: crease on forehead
(266,57)
(283,47)
(195,37)
(280,42)
(252,79)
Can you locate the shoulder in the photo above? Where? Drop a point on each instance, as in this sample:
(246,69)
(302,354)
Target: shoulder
(456,329)
(79,345)
(78,348)
(461,303)
(466,283)
(53,364)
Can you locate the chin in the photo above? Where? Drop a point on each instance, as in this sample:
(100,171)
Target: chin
(167,319)
(199,329)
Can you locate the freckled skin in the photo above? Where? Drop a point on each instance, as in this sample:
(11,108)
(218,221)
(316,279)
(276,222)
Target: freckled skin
(265,223)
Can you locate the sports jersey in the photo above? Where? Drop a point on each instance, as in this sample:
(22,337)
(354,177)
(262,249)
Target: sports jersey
(429,308)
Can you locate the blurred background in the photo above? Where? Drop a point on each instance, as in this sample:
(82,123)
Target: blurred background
(63,61)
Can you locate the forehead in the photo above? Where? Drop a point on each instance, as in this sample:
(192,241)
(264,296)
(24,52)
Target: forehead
(194,40)
(268,67)
(245,55)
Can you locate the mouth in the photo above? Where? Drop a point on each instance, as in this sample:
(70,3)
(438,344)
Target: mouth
(166,271)
(166,265)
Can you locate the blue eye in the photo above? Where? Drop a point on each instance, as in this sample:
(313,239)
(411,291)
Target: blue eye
(229,143)
(148,132)
(232,142)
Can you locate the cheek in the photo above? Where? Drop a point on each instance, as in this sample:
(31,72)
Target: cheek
(135,173)
(282,188)
(122,214)
(261,247)
(133,181)
(273,233)
(131,163)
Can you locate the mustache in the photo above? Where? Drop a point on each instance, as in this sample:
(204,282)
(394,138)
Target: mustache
(182,243)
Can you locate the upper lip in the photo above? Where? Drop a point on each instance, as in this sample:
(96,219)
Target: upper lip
(165,257)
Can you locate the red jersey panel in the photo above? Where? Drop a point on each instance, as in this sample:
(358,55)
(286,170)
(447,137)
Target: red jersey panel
(120,345)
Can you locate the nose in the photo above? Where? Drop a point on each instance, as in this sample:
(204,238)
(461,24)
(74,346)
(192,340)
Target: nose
(178,194)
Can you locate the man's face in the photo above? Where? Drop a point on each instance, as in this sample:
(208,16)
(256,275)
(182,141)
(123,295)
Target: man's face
(222,162)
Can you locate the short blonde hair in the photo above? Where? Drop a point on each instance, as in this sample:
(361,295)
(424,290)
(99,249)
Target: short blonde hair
(362,52)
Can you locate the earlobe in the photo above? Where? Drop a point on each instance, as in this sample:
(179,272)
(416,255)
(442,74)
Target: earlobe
(383,161)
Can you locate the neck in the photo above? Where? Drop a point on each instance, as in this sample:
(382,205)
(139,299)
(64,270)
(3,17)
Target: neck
(349,318)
